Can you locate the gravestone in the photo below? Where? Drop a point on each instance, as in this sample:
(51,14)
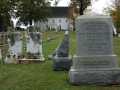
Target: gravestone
(5,39)
(2,38)
(34,46)
(15,47)
(31,28)
(94,62)
(62,60)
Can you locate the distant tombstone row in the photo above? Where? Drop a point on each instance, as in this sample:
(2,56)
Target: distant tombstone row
(34,47)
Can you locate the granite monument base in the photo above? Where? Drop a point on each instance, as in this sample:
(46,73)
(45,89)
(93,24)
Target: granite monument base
(62,63)
(103,76)
(94,69)
(95,61)
(24,59)
(36,59)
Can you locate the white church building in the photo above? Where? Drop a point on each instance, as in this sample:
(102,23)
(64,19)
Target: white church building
(59,20)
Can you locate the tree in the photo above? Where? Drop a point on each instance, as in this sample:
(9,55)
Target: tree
(83,5)
(73,12)
(114,10)
(6,7)
(77,8)
(30,11)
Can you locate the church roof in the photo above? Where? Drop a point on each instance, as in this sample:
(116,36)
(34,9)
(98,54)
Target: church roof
(59,11)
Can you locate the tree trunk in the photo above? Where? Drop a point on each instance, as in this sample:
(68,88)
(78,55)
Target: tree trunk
(1,24)
(30,18)
(30,21)
(81,8)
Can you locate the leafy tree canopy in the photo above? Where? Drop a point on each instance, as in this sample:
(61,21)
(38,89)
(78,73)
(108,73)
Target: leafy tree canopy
(31,11)
(114,10)
(6,13)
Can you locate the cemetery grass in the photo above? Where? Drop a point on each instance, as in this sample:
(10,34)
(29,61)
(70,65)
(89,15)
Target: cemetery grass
(39,75)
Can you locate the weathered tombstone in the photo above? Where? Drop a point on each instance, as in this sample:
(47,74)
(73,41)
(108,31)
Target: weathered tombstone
(94,62)
(114,31)
(48,40)
(56,30)
(31,28)
(34,46)
(15,47)
(118,34)
(5,39)
(9,30)
(62,59)
(2,38)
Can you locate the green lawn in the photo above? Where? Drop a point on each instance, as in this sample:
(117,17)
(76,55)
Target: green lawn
(40,76)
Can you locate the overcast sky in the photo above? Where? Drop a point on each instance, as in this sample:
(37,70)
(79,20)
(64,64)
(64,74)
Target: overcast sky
(96,6)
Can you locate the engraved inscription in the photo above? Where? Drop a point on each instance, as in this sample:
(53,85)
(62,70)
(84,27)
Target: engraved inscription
(93,33)
(95,62)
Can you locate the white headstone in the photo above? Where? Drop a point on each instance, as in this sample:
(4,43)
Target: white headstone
(34,45)
(15,47)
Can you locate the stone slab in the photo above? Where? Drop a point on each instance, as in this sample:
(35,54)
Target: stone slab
(95,61)
(62,63)
(106,76)
(24,59)
(7,60)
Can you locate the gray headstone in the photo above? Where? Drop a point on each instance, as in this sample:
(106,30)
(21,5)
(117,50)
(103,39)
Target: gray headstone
(31,28)
(62,60)
(9,29)
(63,49)
(48,40)
(1,39)
(94,62)
(5,39)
